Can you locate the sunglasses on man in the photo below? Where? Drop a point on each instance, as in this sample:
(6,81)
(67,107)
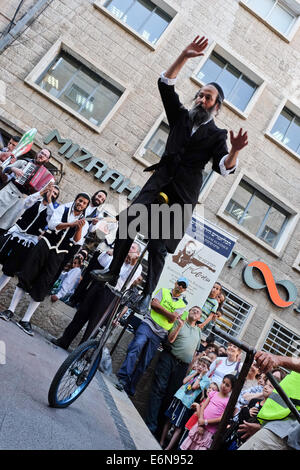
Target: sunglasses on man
(182,284)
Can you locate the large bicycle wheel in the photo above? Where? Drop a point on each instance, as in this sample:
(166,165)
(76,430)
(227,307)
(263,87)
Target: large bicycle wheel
(74,375)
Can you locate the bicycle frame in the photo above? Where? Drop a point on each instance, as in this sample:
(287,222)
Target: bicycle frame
(111,310)
(250,353)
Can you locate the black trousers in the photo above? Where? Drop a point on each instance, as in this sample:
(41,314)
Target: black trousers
(41,268)
(90,310)
(157,252)
(168,378)
(16,254)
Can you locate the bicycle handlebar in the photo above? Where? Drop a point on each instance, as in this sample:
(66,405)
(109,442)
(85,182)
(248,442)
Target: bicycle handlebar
(233,340)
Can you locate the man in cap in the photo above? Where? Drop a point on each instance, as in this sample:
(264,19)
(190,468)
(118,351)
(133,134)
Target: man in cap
(166,307)
(194,139)
(66,227)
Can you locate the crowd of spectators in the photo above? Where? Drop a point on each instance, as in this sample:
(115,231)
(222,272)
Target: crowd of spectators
(194,376)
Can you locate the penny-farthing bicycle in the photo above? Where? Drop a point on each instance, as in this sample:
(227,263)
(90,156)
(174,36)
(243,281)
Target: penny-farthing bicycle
(79,368)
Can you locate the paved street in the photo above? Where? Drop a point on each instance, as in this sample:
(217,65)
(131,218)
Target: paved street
(101,418)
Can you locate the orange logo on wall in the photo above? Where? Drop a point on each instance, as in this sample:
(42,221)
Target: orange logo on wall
(270,284)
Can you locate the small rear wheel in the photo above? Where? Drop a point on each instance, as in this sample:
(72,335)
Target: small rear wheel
(74,375)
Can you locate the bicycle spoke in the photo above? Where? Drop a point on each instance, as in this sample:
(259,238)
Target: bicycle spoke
(69,384)
(74,375)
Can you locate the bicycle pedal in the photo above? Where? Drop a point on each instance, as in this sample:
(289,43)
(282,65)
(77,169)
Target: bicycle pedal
(115,291)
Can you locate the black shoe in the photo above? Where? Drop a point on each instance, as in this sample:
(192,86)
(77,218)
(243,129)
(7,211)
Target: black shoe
(101,276)
(6,315)
(26,327)
(142,306)
(119,386)
(58,342)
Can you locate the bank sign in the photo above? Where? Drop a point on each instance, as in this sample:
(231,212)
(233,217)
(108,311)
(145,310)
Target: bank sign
(270,283)
(84,159)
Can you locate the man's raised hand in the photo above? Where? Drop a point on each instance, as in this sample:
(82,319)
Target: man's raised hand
(196,48)
(240,141)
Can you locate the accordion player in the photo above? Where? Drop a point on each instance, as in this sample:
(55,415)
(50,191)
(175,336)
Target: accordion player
(34,178)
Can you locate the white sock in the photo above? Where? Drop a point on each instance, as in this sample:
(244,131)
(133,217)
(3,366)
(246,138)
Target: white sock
(33,305)
(4,280)
(18,294)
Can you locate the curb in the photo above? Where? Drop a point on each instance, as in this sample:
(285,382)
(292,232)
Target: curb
(133,430)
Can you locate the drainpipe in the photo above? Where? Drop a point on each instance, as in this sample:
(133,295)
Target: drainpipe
(24,22)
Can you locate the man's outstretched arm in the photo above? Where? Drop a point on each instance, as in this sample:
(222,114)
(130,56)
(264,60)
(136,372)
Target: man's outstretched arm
(194,49)
(267,361)
(237,144)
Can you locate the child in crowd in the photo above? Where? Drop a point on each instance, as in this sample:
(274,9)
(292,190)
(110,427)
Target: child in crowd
(211,320)
(212,356)
(194,418)
(221,299)
(249,413)
(222,351)
(209,414)
(67,281)
(253,392)
(210,350)
(210,306)
(179,410)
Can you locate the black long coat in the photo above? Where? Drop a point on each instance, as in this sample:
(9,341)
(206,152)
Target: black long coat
(179,171)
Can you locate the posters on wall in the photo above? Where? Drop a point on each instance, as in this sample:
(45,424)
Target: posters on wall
(200,257)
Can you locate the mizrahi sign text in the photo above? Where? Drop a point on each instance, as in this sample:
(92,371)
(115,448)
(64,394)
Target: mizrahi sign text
(84,159)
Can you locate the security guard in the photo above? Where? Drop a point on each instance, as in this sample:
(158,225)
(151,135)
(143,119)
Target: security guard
(166,306)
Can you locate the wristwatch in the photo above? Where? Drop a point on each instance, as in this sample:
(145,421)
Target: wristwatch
(205,422)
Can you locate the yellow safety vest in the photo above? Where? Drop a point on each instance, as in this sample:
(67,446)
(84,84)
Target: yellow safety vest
(275,408)
(169,304)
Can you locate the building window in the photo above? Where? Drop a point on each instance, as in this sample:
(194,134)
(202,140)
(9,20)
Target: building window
(76,86)
(287,130)
(235,312)
(154,147)
(143,16)
(257,213)
(281,341)
(275,12)
(238,88)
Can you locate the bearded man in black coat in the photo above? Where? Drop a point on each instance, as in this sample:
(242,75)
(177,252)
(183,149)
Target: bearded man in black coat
(193,140)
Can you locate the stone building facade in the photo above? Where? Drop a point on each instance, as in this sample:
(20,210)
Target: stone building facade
(107,124)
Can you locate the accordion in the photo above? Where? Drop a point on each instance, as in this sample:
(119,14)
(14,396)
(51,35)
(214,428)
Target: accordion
(35,178)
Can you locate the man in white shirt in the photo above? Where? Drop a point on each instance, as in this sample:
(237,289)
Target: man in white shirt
(98,299)
(94,214)
(94,210)
(68,281)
